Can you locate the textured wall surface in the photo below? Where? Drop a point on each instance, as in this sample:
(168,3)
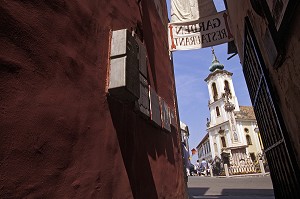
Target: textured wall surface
(287,82)
(60,135)
(284,79)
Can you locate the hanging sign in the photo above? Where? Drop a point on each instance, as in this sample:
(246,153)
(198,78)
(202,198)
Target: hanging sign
(188,10)
(205,32)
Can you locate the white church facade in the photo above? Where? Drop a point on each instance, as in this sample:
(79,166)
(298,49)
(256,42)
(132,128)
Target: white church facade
(232,131)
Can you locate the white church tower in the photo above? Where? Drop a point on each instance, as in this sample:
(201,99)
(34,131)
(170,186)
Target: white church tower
(226,136)
(232,131)
(217,80)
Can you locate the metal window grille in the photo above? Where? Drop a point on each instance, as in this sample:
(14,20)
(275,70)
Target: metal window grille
(283,167)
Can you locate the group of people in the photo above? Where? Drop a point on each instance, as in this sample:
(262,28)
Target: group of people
(202,168)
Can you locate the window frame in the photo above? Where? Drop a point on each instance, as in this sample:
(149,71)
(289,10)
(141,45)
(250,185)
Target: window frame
(214,91)
(248,139)
(227,86)
(223,141)
(218,113)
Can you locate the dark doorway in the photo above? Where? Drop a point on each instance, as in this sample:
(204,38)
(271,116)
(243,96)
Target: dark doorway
(225,158)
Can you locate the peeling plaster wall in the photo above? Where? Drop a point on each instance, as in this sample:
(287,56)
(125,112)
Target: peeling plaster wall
(287,82)
(60,135)
(285,79)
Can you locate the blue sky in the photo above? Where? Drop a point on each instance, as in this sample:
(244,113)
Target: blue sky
(191,68)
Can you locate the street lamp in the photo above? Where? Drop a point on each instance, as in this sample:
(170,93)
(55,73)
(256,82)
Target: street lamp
(256,129)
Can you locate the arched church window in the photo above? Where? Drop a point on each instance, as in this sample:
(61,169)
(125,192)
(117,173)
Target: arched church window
(248,138)
(218,111)
(227,86)
(215,92)
(246,130)
(223,141)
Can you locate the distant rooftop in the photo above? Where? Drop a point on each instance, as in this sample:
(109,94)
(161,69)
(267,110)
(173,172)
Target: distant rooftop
(246,112)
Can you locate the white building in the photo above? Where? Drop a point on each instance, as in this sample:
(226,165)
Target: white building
(231,133)
(203,148)
(184,129)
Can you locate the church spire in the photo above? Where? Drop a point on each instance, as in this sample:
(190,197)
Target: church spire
(215,64)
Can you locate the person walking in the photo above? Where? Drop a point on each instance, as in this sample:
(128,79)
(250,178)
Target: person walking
(186,159)
(198,168)
(203,166)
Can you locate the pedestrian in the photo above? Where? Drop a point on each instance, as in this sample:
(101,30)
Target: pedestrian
(198,168)
(186,159)
(204,166)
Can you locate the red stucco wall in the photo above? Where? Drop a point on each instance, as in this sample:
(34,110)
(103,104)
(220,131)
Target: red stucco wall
(60,135)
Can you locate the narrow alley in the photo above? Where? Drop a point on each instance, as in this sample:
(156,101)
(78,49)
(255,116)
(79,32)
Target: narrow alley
(250,187)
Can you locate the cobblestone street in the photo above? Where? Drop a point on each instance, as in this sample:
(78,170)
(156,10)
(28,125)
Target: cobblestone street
(254,187)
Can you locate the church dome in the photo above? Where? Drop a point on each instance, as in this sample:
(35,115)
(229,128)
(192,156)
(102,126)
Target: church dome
(215,64)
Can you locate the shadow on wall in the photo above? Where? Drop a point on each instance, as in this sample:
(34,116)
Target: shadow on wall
(148,33)
(195,193)
(139,139)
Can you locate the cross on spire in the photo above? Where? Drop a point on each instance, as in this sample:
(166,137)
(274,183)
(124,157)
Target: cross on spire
(214,55)
(215,63)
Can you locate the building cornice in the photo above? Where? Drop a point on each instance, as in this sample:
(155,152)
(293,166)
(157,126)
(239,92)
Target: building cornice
(214,102)
(217,72)
(245,120)
(218,125)
(237,147)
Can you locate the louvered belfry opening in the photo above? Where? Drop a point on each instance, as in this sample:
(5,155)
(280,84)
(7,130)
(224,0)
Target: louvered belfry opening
(280,155)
